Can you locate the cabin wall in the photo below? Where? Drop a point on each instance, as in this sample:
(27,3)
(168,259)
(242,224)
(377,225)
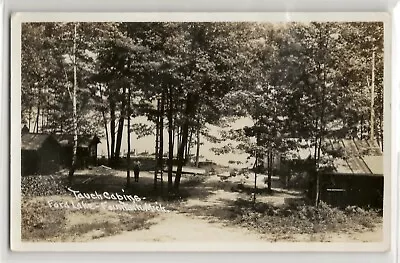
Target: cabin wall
(49,157)
(85,156)
(29,162)
(93,154)
(45,160)
(343,190)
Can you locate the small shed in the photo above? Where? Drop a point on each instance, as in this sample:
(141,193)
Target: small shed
(40,154)
(353,173)
(86,153)
(357,177)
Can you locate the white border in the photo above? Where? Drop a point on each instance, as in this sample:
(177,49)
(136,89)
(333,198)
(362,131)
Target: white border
(15,168)
(395,128)
(20,17)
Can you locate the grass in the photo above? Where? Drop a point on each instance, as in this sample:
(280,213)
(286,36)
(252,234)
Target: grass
(43,223)
(288,220)
(193,180)
(40,222)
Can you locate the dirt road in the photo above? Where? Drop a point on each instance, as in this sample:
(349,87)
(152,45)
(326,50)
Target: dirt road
(181,227)
(178,227)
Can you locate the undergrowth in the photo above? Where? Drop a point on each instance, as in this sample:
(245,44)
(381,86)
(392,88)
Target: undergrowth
(301,219)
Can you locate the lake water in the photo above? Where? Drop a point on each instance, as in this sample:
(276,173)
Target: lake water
(147,144)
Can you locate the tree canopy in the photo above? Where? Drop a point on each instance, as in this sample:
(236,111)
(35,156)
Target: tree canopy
(295,81)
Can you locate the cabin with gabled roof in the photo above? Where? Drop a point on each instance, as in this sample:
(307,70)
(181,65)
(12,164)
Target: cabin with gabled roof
(40,154)
(357,177)
(86,152)
(351,175)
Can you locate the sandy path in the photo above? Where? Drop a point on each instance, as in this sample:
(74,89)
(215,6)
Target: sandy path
(173,226)
(180,227)
(370,236)
(375,235)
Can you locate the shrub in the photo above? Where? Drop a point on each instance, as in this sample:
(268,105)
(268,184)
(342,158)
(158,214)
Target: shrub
(39,221)
(43,185)
(299,219)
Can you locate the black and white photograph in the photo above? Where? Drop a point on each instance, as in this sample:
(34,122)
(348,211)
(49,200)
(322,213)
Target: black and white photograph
(199,131)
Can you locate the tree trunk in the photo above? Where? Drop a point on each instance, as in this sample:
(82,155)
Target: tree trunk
(178,138)
(198,143)
(270,161)
(156,145)
(74,120)
(381,130)
(189,146)
(321,133)
(47,120)
(170,138)
(317,187)
(107,136)
(128,155)
(255,177)
(185,134)
(161,132)
(362,127)
(43,122)
(37,120)
(321,130)
(119,140)
(112,130)
(173,134)
(120,129)
(30,118)
(38,107)
(372,121)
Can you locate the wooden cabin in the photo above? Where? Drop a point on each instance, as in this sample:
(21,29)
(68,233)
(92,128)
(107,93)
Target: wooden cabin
(357,177)
(40,153)
(354,175)
(86,153)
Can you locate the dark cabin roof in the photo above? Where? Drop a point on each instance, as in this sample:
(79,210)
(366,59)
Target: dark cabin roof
(84,141)
(33,141)
(351,156)
(358,157)
(25,129)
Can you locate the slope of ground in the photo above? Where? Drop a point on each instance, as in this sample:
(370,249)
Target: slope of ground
(210,208)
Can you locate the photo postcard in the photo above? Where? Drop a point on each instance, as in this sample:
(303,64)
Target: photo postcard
(200,132)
